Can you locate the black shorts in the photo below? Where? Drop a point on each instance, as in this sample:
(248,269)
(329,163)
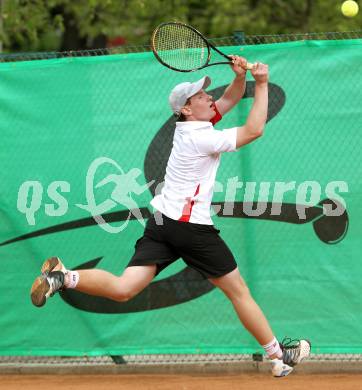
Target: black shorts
(200,246)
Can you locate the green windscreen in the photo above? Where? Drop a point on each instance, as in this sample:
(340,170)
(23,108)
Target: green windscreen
(91,136)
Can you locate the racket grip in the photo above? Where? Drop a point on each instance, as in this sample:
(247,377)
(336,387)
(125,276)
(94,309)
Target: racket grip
(249,66)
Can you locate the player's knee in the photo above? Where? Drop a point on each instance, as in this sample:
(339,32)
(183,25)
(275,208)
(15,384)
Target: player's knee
(123,295)
(244,290)
(238,290)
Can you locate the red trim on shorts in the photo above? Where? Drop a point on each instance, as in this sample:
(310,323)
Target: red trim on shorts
(217,116)
(187,210)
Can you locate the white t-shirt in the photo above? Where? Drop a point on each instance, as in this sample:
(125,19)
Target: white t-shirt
(191,171)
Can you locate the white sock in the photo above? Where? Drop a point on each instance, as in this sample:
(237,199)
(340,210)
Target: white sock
(71,279)
(273,348)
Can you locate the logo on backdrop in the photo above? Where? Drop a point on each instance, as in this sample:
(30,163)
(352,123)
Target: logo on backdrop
(123,187)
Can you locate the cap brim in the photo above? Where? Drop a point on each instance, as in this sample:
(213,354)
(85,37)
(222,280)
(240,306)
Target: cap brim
(199,85)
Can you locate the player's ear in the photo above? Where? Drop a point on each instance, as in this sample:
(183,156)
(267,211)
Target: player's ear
(186,110)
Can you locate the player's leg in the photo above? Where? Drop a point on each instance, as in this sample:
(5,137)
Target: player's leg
(202,248)
(283,357)
(139,273)
(93,281)
(248,311)
(119,288)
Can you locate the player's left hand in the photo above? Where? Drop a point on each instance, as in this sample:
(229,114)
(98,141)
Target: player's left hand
(238,65)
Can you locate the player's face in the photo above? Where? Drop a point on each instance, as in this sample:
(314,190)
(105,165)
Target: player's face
(201,106)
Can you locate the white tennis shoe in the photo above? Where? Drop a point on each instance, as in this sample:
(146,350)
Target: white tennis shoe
(294,351)
(280,369)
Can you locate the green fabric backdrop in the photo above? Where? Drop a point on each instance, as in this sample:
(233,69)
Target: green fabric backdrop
(57,116)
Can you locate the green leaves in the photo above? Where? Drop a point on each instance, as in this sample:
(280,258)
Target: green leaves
(52,25)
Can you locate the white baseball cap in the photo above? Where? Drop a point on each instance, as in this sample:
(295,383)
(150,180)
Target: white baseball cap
(183,91)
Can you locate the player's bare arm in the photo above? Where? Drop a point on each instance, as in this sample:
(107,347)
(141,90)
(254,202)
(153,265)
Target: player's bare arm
(256,120)
(235,91)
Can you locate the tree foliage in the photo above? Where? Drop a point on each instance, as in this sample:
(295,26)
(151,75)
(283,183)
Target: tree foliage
(37,25)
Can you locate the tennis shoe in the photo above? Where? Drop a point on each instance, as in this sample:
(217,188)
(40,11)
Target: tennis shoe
(294,351)
(280,369)
(49,282)
(52,264)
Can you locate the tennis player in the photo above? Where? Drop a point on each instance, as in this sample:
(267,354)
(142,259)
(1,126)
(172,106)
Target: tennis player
(181,226)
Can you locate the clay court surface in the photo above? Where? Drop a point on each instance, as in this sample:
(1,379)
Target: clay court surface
(182,382)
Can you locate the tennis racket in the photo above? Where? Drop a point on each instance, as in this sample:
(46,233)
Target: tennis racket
(182,48)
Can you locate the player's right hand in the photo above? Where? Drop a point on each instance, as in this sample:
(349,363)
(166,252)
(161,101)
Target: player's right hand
(260,72)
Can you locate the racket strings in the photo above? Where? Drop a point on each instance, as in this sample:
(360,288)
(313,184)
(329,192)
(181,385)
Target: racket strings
(180,47)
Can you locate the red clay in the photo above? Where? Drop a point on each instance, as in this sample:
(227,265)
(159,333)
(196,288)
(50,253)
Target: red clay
(181,382)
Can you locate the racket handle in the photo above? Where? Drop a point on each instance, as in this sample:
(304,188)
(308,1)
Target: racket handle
(249,66)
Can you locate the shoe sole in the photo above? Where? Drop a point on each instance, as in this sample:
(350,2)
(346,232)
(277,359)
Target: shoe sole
(306,348)
(50,264)
(284,373)
(41,286)
(307,345)
(38,292)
